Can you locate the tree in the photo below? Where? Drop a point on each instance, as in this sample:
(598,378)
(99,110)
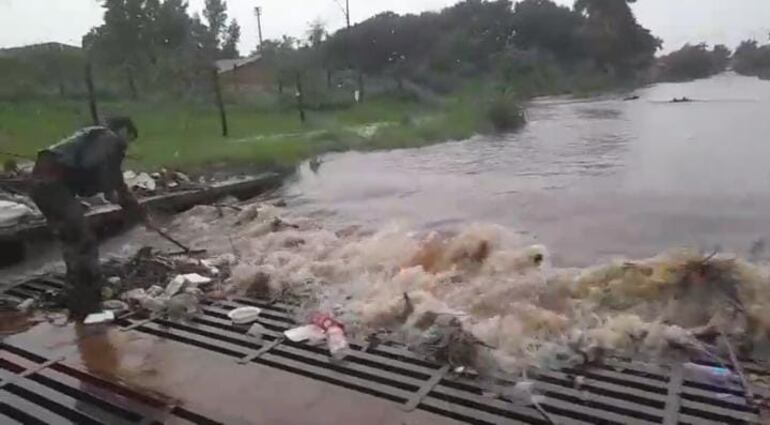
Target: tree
(316,33)
(230,45)
(542,24)
(693,61)
(125,38)
(752,59)
(172,25)
(615,39)
(215,13)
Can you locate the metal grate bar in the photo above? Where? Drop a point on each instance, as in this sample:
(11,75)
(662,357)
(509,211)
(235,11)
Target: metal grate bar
(12,379)
(491,405)
(426,389)
(34,411)
(62,404)
(75,391)
(708,411)
(628,407)
(470,415)
(600,386)
(262,351)
(674,399)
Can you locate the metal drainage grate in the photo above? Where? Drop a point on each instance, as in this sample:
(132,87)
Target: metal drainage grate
(621,392)
(39,391)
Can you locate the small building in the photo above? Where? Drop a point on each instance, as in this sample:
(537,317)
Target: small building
(250,73)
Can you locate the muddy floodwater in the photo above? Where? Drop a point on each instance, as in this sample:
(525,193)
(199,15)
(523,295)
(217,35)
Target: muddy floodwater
(590,179)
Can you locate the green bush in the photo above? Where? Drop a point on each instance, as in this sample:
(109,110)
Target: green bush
(505,114)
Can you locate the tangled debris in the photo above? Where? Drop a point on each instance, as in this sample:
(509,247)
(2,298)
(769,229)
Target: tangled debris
(474,300)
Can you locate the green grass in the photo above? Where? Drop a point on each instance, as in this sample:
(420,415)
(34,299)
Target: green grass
(188,136)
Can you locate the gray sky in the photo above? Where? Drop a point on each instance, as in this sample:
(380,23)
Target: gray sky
(676,21)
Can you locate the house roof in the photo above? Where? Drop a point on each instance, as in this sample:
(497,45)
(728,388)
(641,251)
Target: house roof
(227,65)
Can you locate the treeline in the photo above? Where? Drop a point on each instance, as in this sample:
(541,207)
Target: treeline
(50,69)
(159,43)
(697,61)
(693,62)
(752,59)
(476,38)
(158,47)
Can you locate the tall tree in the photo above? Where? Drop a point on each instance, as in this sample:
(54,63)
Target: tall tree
(316,33)
(615,39)
(542,24)
(215,13)
(232,38)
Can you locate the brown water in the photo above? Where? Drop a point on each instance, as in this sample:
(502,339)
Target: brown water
(590,179)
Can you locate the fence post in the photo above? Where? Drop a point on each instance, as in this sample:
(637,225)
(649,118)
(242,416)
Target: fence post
(300,99)
(91,93)
(220,102)
(361,86)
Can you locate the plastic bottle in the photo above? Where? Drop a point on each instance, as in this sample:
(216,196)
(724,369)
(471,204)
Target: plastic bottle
(335,334)
(338,344)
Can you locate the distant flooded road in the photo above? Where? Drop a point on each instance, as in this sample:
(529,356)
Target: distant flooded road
(590,179)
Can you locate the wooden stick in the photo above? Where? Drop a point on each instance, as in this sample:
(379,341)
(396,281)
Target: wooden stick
(167,237)
(739,370)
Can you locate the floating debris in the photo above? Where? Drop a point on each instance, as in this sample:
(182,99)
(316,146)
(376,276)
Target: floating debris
(97,318)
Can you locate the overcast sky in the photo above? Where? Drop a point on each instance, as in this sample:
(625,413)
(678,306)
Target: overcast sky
(675,21)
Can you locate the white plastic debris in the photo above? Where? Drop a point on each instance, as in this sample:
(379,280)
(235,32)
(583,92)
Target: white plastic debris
(12,213)
(26,305)
(220,261)
(338,344)
(96,318)
(183,306)
(522,394)
(256,330)
(175,285)
(155,291)
(195,279)
(154,305)
(244,315)
(140,181)
(115,306)
(135,295)
(310,333)
(114,280)
(182,177)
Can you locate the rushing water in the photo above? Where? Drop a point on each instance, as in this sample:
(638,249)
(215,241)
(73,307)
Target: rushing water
(589,179)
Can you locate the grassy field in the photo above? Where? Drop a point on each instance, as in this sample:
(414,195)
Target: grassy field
(188,136)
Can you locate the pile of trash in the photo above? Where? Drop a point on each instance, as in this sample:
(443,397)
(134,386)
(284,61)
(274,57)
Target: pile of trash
(15,210)
(476,299)
(163,181)
(157,284)
(479,299)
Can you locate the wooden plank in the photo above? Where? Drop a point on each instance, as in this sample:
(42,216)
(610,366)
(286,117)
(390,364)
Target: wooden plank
(174,201)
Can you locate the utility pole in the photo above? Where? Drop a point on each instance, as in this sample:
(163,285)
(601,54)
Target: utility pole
(347,12)
(258,12)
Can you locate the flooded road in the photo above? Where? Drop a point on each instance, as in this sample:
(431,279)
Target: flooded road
(589,179)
